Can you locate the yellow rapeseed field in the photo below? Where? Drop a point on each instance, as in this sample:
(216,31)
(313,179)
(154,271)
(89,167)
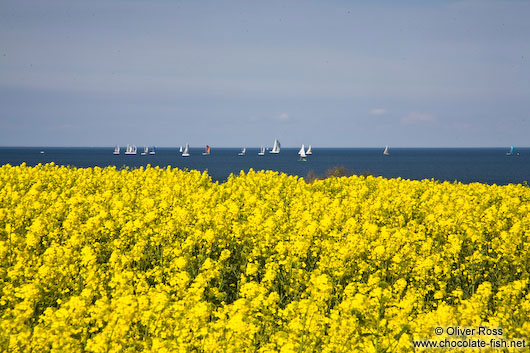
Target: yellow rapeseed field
(165,260)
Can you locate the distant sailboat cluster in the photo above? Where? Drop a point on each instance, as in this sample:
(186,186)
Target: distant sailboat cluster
(133,150)
(304,153)
(276,148)
(185,151)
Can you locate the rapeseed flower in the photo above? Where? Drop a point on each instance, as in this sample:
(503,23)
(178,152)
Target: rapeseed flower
(165,260)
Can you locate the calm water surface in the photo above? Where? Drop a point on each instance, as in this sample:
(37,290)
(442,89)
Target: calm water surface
(467,165)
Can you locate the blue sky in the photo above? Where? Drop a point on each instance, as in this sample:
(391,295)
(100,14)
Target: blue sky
(234,73)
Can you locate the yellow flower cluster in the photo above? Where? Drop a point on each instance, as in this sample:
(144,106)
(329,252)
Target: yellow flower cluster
(165,260)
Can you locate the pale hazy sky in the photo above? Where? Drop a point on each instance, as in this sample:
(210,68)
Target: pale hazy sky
(234,73)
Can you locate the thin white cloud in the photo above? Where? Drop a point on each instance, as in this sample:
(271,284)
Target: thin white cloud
(414,118)
(378,111)
(283,117)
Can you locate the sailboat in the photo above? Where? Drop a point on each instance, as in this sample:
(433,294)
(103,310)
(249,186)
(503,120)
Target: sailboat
(116,150)
(276,147)
(206,151)
(180,149)
(153,151)
(186,152)
(261,151)
(308,152)
(146,151)
(511,152)
(130,150)
(243,152)
(302,154)
(385,152)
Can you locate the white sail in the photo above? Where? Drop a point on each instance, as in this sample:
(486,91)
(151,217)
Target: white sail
(386,152)
(116,150)
(186,152)
(276,147)
(261,151)
(131,149)
(180,149)
(308,152)
(146,151)
(302,151)
(243,151)
(153,151)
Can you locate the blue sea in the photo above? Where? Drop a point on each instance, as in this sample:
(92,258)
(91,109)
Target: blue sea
(466,165)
